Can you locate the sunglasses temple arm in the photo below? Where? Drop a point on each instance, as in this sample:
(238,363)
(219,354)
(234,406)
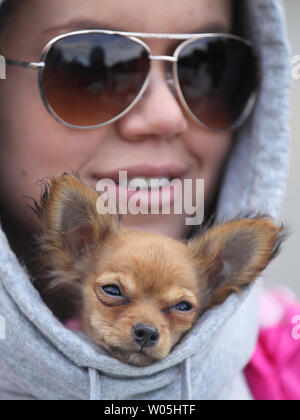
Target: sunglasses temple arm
(25,64)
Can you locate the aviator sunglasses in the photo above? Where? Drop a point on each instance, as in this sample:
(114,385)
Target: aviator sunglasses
(91,78)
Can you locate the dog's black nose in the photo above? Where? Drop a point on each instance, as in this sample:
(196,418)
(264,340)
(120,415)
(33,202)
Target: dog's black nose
(145,335)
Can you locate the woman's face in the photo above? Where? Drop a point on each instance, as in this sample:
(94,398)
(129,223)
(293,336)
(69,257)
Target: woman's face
(156,132)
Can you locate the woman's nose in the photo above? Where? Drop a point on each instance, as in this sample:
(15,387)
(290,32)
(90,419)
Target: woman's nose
(157,115)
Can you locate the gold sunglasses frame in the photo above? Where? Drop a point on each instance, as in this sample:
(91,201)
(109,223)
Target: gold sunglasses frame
(135,36)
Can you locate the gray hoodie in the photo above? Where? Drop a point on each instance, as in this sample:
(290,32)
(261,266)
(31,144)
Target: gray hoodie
(40,359)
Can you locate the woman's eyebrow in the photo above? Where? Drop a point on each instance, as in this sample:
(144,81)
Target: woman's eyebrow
(78,24)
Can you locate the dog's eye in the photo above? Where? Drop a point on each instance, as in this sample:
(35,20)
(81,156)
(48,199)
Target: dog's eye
(112,291)
(183,307)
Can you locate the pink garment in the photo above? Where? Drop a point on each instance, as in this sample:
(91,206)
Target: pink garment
(274,370)
(73,324)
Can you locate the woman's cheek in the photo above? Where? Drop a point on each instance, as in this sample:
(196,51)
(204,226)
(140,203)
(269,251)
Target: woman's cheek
(209,151)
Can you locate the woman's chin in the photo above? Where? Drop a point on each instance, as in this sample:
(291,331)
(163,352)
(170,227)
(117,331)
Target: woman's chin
(172,225)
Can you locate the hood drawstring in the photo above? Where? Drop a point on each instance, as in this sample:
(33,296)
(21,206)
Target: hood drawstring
(186,385)
(95,385)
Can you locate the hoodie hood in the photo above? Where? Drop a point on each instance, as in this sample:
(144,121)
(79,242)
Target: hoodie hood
(41,359)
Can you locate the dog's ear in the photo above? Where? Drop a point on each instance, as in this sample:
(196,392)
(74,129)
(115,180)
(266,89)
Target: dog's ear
(229,256)
(69,219)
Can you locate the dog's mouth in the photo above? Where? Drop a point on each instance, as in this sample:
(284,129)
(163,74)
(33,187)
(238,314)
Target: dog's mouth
(136,358)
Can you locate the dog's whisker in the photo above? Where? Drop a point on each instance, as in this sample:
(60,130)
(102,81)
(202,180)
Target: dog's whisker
(104,325)
(105,322)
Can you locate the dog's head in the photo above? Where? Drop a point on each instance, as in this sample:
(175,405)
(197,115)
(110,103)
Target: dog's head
(141,292)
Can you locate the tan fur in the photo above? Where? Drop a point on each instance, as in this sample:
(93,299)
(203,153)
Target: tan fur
(153,272)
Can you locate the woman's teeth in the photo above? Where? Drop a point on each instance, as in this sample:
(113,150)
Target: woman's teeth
(144,183)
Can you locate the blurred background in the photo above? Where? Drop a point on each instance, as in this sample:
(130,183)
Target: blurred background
(286,269)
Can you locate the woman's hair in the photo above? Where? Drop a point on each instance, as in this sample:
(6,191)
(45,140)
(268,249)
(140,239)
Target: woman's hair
(237,24)
(6,12)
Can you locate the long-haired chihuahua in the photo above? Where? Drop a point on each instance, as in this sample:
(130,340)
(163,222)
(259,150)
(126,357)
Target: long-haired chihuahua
(138,293)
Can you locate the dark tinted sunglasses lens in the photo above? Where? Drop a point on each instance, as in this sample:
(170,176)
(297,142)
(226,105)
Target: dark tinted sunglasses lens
(217,77)
(89,79)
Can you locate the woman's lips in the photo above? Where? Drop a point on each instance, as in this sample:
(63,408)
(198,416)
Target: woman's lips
(148,170)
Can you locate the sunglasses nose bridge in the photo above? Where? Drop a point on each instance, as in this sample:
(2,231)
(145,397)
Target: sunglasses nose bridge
(168,58)
(172,60)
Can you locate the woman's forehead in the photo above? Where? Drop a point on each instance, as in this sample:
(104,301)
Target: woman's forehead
(170,16)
